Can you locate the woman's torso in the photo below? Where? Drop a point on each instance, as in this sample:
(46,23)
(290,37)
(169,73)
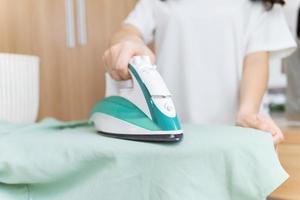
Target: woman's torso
(200,48)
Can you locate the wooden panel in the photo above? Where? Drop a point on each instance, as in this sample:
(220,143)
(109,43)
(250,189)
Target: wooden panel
(290,159)
(104,18)
(71,79)
(292,136)
(289,154)
(50,45)
(16,26)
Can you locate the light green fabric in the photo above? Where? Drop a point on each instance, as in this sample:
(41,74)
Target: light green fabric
(53,160)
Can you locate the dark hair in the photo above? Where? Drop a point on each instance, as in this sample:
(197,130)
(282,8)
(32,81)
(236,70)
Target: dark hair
(270,3)
(267,3)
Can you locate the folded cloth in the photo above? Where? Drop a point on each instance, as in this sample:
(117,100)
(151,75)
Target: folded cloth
(54,160)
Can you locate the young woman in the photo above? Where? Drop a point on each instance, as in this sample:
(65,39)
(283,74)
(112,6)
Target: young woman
(213,55)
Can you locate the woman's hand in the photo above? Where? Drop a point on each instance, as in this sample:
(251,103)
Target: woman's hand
(126,44)
(262,123)
(253,86)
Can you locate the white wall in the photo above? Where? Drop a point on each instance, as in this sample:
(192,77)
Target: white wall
(291,12)
(277,78)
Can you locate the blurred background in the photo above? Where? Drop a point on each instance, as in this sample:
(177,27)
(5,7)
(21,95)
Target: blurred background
(51,65)
(69,37)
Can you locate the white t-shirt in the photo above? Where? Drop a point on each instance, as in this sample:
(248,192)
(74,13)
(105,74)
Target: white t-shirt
(201,46)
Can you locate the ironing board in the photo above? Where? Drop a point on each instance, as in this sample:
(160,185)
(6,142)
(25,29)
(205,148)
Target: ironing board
(62,161)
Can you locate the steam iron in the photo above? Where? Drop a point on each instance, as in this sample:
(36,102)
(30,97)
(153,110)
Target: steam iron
(142,109)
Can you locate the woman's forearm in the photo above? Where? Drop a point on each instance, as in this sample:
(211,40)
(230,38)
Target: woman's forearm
(254,82)
(127,33)
(253,87)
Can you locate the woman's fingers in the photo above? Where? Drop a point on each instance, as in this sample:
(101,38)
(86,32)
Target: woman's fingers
(277,130)
(146,52)
(116,64)
(262,123)
(268,125)
(106,58)
(277,139)
(265,124)
(115,75)
(117,57)
(121,65)
(256,122)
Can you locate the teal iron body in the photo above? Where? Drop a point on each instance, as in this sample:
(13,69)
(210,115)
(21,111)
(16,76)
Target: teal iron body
(140,109)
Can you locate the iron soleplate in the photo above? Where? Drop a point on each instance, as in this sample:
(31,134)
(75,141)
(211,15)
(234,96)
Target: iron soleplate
(146,138)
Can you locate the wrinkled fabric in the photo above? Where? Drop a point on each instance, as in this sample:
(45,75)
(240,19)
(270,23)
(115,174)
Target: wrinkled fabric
(63,161)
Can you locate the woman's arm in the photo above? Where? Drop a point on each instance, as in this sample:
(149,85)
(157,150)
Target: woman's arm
(254,82)
(126,43)
(253,86)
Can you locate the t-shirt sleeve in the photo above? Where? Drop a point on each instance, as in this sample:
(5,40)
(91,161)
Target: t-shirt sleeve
(142,17)
(270,32)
